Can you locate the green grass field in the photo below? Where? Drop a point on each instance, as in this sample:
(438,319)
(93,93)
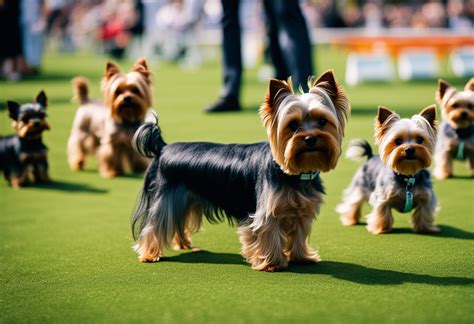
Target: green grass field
(65,248)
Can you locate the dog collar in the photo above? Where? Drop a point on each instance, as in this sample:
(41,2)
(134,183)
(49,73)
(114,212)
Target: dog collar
(460,154)
(309,176)
(410,182)
(465,132)
(409,195)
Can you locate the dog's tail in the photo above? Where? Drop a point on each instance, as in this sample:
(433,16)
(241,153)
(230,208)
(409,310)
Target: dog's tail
(80,88)
(357,149)
(148,141)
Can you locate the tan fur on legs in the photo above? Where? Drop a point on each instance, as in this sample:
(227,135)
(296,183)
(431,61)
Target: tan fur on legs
(444,168)
(263,249)
(350,208)
(110,161)
(192,225)
(422,220)
(297,244)
(149,247)
(380,220)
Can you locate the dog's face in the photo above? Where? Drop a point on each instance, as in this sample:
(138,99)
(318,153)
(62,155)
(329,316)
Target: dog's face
(406,145)
(29,120)
(305,131)
(128,96)
(457,107)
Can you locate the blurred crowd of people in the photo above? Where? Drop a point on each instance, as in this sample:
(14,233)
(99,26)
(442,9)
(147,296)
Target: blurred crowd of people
(171,27)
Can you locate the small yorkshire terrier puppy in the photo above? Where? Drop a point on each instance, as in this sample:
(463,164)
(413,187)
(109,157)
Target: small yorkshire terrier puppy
(23,157)
(108,127)
(397,178)
(271,189)
(456,132)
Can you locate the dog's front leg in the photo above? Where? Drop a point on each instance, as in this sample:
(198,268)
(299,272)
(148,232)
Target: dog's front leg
(298,248)
(262,244)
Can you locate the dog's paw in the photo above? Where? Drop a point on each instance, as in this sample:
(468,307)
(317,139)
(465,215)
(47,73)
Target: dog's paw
(148,259)
(272,268)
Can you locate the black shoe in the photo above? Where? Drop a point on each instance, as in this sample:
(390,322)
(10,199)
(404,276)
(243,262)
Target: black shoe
(223,105)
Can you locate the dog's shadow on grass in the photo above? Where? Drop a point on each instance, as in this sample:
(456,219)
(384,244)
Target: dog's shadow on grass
(60,185)
(446,232)
(340,270)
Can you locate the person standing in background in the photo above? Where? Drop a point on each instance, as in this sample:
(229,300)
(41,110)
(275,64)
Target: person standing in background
(11,51)
(289,45)
(33,24)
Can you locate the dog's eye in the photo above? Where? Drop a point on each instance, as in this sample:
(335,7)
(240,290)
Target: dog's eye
(398,141)
(419,139)
(135,91)
(322,122)
(25,119)
(118,92)
(294,125)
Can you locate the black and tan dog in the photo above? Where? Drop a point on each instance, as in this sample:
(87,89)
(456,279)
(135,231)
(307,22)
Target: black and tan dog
(23,156)
(456,132)
(271,189)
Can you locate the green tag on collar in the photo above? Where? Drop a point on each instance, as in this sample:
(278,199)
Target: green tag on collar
(460,155)
(309,176)
(409,195)
(408,202)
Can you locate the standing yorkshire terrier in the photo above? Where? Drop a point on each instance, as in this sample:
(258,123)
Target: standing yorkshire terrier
(109,128)
(23,157)
(398,177)
(271,189)
(456,132)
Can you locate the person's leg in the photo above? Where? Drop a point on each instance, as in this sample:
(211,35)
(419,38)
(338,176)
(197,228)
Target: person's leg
(231,57)
(294,40)
(276,54)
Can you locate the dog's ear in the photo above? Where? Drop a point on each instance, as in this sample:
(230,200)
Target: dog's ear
(443,87)
(469,85)
(141,67)
(276,92)
(111,69)
(140,63)
(13,109)
(42,99)
(385,118)
(429,113)
(326,81)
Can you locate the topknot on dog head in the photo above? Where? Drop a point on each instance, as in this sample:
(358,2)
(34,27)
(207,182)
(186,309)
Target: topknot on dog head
(327,82)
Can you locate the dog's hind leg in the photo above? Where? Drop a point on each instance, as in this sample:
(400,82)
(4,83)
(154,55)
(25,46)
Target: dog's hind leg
(350,208)
(167,222)
(75,152)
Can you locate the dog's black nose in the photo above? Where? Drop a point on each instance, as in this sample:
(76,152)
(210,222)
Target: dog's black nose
(464,115)
(310,140)
(410,151)
(36,122)
(127,99)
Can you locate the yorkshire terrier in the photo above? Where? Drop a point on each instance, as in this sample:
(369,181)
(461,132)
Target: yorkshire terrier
(23,157)
(109,127)
(397,178)
(456,132)
(271,189)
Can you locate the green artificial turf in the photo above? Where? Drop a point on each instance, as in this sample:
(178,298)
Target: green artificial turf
(65,248)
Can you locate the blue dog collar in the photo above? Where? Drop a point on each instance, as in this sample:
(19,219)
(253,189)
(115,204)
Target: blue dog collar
(309,176)
(460,154)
